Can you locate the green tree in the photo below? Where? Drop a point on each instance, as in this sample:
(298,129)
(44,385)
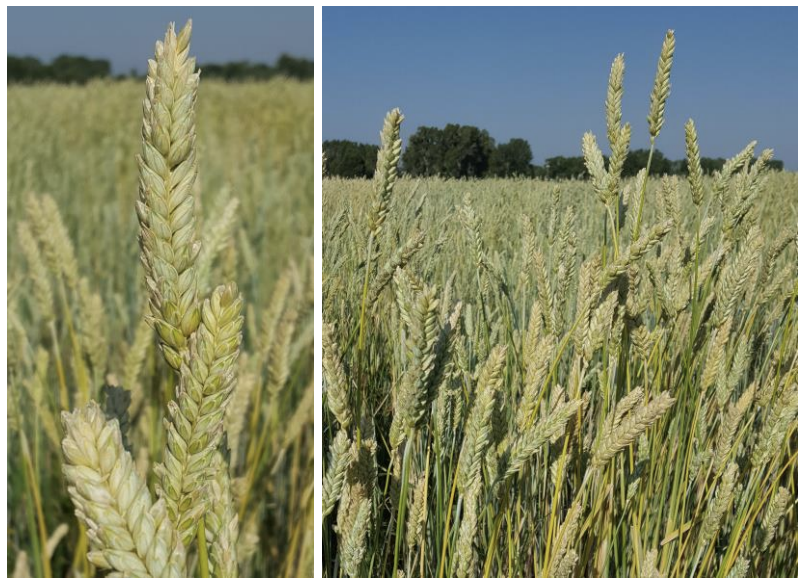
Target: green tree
(564,168)
(456,151)
(638,160)
(424,155)
(346,158)
(511,158)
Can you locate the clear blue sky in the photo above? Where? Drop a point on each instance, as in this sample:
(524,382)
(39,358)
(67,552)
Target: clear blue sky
(126,35)
(541,74)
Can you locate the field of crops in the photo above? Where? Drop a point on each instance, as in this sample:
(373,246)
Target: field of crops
(582,378)
(77,330)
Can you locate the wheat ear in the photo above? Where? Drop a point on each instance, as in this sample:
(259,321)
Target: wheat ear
(630,428)
(128,533)
(221,522)
(387,169)
(661,85)
(167,170)
(195,426)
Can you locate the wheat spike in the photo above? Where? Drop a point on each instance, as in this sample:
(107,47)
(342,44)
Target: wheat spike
(128,533)
(165,206)
(661,85)
(195,426)
(477,434)
(335,377)
(630,428)
(719,503)
(339,461)
(221,522)
(694,171)
(773,514)
(387,169)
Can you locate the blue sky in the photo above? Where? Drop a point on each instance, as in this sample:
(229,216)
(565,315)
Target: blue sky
(541,73)
(126,35)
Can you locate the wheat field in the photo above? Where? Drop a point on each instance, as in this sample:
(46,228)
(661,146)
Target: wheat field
(160,399)
(566,379)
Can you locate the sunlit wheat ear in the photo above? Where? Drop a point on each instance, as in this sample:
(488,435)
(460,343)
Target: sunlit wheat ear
(718,505)
(339,460)
(399,260)
(51,231)
(540,434)
(661,86)
(417,512)
(774,512)
(694,170)
(477,433)
(42,288)
(221,521)
(387,169)
(128,534)
(466,554)
(167,171)
(630,428)
(614,99)
(566,537)
(419,312)
(335,378)
(728,427)
(195,425)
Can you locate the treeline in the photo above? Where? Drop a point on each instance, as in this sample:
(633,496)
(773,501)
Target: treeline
(458,151)
(79,70)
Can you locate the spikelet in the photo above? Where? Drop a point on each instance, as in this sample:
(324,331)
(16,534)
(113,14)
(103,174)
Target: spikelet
(661,86)
(195,427)
(166,205)
(128,534)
